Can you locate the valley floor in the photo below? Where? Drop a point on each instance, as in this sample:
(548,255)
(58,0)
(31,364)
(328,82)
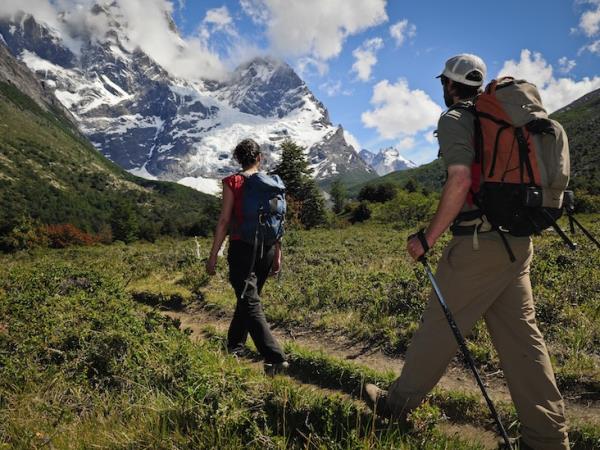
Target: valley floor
(122,347)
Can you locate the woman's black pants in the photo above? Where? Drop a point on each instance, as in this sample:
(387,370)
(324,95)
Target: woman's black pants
(249,316)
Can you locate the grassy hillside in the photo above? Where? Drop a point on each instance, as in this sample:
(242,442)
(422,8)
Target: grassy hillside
(581,121)
(49,172)
(431,176)
(349,179)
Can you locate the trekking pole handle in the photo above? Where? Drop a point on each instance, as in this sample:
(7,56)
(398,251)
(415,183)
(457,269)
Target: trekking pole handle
(465,351)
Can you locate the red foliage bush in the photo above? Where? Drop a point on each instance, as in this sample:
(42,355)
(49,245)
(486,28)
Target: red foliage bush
(66,234)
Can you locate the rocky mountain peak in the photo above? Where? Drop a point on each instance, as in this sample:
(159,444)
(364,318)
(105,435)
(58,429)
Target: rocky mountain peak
(160,126)
(268,87)
(387,160)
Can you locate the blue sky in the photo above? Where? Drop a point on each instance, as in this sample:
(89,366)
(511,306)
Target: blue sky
(553,42)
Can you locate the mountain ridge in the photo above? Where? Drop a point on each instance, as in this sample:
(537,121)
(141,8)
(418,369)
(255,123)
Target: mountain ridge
(161,126)
(50,172)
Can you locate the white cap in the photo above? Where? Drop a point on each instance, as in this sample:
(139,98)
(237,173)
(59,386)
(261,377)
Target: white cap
(466,69)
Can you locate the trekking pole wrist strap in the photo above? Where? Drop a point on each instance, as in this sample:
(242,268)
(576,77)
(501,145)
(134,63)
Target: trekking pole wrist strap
(421,237)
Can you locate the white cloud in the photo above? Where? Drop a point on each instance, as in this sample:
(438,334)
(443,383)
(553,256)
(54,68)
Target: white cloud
(219,17)
(144,24)
(314,28)
(555,92)
(255,10)
(402,30)
(532,67)
(399,111)
(406,143)
(351,140)
(594,47)
(304,65)
(589,22)
(366,57)
(217,20)
(566,65)
(334,88)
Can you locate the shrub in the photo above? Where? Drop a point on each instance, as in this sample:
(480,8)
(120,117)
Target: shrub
(360,213)
(379,193)
(338,194)
(25,234)
(586,203)
(124,223)
(66,234)
(411,185)
(149,231)
(407,209)
(105,236)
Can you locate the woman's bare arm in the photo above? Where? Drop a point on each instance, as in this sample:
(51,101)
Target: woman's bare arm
(221,229)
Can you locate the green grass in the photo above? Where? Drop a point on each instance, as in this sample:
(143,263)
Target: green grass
(82,365)
(358,281)
(81,362)
(316,367)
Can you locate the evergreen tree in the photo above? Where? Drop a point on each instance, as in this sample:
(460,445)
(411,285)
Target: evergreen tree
(411,185)
(123,223)
(301,189)
(293,169)
(313,206)
(338,196)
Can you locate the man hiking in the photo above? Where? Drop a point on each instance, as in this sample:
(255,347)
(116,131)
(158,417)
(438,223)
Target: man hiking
(477,278)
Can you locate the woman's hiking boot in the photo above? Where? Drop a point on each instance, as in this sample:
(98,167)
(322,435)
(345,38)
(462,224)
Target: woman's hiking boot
(240,351)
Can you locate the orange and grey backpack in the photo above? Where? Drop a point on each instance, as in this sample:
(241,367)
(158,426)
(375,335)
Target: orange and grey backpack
(521,167)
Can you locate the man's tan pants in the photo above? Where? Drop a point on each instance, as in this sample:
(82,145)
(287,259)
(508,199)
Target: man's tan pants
(478,283)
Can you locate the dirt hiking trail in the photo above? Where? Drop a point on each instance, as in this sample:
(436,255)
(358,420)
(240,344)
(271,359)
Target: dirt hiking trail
(584,406)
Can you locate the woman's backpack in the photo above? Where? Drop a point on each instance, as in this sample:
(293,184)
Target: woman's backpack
(263,209)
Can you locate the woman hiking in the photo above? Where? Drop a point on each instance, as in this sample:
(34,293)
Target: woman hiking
(252,213)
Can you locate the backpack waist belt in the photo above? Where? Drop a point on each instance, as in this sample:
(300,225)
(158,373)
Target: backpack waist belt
(471,227)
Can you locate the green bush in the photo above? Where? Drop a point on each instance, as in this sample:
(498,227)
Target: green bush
(377,193)
(586,203)
(406,210)
(25,234)
(360,212)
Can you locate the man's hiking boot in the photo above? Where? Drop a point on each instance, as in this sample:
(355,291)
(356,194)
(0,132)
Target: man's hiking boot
(273,369)
(376,398)
(515,443)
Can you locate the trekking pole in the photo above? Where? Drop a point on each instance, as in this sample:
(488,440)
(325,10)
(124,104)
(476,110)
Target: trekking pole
(573,220)
(463,346)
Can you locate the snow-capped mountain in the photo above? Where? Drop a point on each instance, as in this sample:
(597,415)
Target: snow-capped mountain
(386,161)
(367,156)
(157,125)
